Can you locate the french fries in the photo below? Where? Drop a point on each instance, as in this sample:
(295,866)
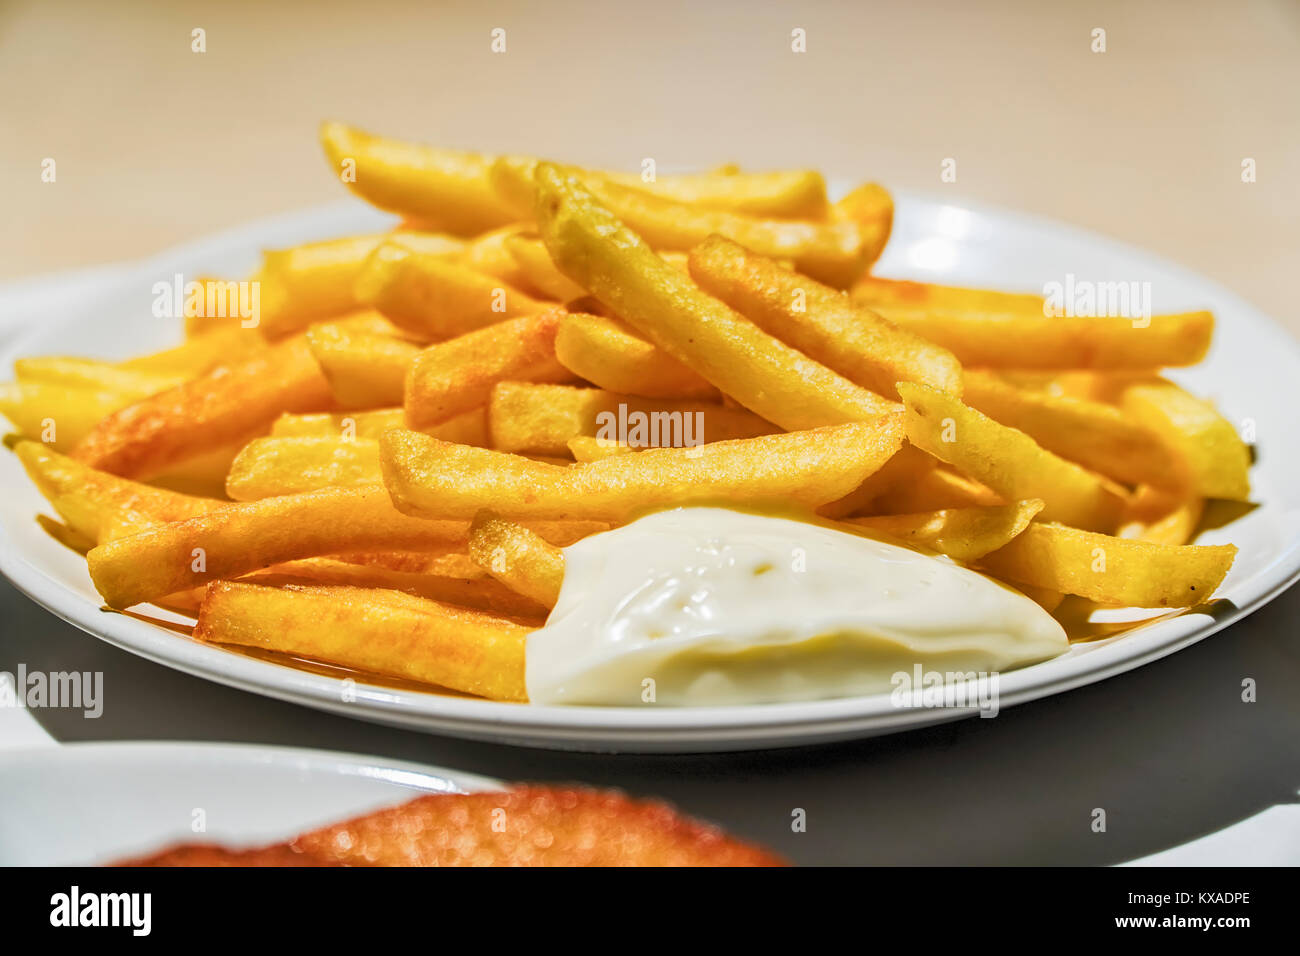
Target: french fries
(310,283)
(288,466)
(1008,461)
(453,377)
(768,377)
(520,559)
(364,369)
(1112,570)
(607,353)
(469,428)
(964,534)
(796,470)
(542,419)
(228,404)
(821,322)
(372,630)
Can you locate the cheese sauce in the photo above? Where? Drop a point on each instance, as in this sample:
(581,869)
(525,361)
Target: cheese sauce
(707,606)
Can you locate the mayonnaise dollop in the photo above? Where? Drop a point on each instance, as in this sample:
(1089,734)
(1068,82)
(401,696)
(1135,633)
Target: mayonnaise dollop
(723,607)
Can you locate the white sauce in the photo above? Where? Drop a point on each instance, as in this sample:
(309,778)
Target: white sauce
(723,607)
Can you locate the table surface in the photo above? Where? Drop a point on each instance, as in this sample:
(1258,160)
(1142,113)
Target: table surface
(155,144)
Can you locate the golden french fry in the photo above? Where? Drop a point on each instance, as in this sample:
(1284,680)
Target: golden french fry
(93,375)
(1112,570)
(1008,460)
(450,378)
(540,419)
(436,296)
(909,295)
(86,498)
(1022,340)
(607,353)
(447,188)
(57,415)
(469,428)
(795,470)
(288,466)
(200,355)
(535,263)
(1162,517)
(933,489)
(373,630)
(587,448)
(229,404)
(819,321)
(964,534)
(1098,436)
(491,255)
(311,282)
(520,559)
(759,371)
(364,370)
(1207,444)
(872,208)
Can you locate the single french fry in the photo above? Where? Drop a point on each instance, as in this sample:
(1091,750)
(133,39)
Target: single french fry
(1008,460)
(436,296)
(964,534)
(93,375)
(289,466)
(1112,570)
(540,419)
(872,208)
(364,370)
(1207,444)
(198,356)
(588,448)
(310,283)
(449,189)
(771,379)
(450,378)
(982,339)
(821,322)
(1098,436)
(85,498)
(367,629)
(933,489)
(57,415)
(535,263)
(520,559)
(796,470)
(229,404)
(469,428)
(607,353)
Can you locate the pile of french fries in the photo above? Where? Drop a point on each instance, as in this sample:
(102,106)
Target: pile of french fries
(382,473)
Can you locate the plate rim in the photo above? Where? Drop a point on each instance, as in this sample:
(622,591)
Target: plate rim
(631,728)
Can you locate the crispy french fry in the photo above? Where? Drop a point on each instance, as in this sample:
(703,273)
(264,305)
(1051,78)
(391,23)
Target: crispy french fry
(520,559)
(587,448)
(535,263)
(200,355)
(57,415)
(762,373)
(368,629)
(797,470)
(982,339)
(85,498)
(289,466)
(311,282)
(607,353)
(821,322)
(1212,453)
(435,296)
(540,419)
(1098,436)
(93,375)
(364,370)
(1008,460)
(872,208)
(933,489)
(447,188)
(453,377)
(469,428)
(229,404)
(1112,570)
(964,534)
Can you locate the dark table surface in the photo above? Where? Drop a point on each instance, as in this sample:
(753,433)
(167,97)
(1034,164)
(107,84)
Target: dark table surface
(1170,752)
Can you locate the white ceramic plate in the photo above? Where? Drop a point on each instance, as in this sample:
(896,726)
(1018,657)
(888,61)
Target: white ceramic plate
(90,804)
(1253,373)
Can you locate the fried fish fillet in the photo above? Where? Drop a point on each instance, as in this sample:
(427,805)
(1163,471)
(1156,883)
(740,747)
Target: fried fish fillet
(525,826)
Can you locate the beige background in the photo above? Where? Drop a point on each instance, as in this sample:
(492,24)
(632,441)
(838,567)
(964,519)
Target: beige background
(156,144)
